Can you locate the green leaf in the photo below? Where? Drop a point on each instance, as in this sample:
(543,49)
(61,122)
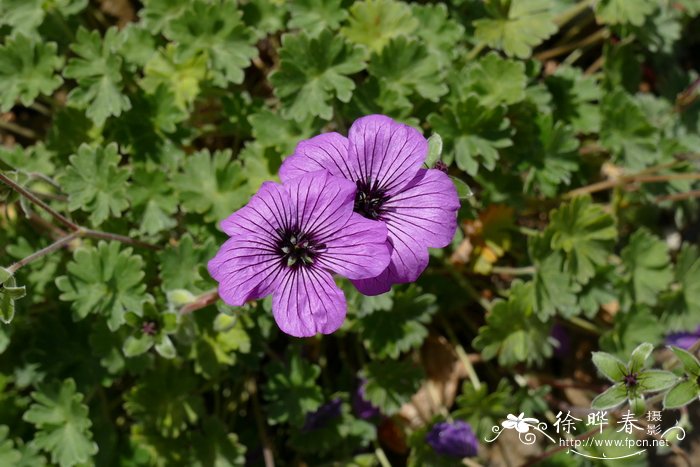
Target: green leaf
(180,264)
(97,69)
(647,268)
(104,280)
(627,132)
(555,288)
(216,446)
(9,292)
(690,363)
(554,160)
(388,333)
(373,23)
(494,79)
(472,134)
(440,33)
(137,345)
(4,275)
(156,14)
(27,70)
(434,149)
(165,400)
(516,26)
(165,348)
(513,332)
(95,183)
(63,424)
(313,16)
(182,79)
(390,384)
(212,184)
(611,398)
(463,190)
(8,454)
(216,31)
(313,72)
(682,303)
(291,391)
(153,200)
(639,357)
(681,394)
(609,366)
(637,404)
(656,380)
(405,67)
(585,233)
(574,98)
(624,11)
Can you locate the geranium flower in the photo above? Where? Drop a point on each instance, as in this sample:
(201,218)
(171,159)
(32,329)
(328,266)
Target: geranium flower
(684,340)
(288,240)
(456,439)
(384,159)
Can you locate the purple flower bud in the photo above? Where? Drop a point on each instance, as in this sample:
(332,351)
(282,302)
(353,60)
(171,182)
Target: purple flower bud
(684,340)
(454,439)
(562,349)
(323,416)
(361,406)
(441,166)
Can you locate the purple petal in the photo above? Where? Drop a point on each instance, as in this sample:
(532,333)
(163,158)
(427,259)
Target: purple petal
(323,203)
(246,269)
(268,210)
(308,302)
(426,209)
(386,151)
(358,250)
(684,340)
(409,258)
(328,151)
(453,439)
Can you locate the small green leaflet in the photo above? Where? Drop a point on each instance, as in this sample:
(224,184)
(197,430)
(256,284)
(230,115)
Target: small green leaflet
(291,390)
(373,23)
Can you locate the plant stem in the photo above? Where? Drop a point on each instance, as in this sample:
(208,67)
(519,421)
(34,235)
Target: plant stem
(597,36)
(202,301)
(18,129)
(268,455)
(81,231)
(585,325)
(572,13)
(44,251)
(524,271)
(461,353)
(634,178)
(678,196)
(381,455)
(473,53)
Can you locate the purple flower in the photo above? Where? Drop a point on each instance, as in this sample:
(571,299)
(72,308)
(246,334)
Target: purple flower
(384,159)
(455,439)
(363,408)
(684,340)
(288,240)
(323,416)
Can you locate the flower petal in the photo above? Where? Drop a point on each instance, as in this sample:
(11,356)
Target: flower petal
(358,250)
(425,209)
(321,203)
(386,151)
(268,210)
(246,269)
(308,302)
(375,285)
(328,151)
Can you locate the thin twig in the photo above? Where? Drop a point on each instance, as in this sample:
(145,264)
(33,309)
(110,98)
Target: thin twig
(82,231)
(597,36)
(572,12)
(202,301)
(634,178)
(18,129)
(508,271)
(678,196)
(44,251)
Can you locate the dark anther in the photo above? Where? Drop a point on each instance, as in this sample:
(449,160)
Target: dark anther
(370,200)
(631,380)
(297,248)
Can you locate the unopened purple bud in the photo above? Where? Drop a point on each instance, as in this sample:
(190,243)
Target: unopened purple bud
(441,166)
(323,416)
(363,408)
(454,439)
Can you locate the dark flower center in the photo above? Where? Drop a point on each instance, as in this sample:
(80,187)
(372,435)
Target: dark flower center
(297,248)
(370,200)
(149,328)
(631,380)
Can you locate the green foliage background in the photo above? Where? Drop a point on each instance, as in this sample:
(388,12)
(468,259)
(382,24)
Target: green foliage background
(145,123)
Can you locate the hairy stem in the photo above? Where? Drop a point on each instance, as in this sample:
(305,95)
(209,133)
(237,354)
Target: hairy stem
(44,251)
